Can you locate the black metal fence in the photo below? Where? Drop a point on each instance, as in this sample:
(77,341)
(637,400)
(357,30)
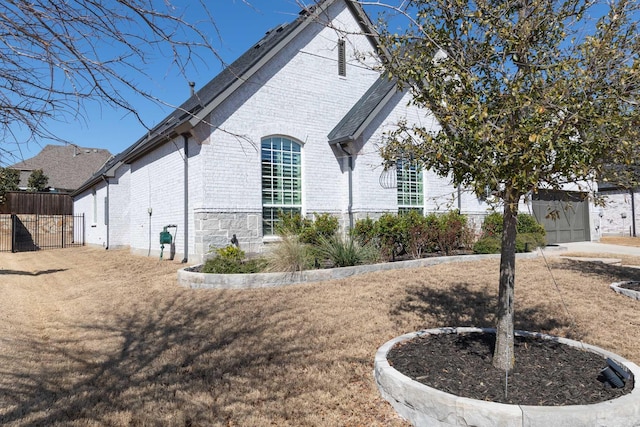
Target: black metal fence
(31,232)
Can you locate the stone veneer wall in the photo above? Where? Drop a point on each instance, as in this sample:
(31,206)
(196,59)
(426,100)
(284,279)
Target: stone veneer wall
(216,229)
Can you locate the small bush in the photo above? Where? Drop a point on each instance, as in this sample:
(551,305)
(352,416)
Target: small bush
(290,255)
(308,231)
(231,252)
(487,245)
(230,260)
(528,242)
(389,231)
(420,232)
(452,229)
(528,224)
(346,252)
(324,226)
(291,224)
(530,234)
(364,231)
(525,242)
(492,224)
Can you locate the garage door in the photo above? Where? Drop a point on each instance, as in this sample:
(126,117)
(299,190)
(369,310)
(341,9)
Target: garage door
(564,215)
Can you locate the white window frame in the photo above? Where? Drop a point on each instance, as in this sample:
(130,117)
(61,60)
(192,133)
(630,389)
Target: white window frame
(281,176)
(410,186)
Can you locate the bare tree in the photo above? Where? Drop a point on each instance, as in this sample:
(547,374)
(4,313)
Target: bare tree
(58,55)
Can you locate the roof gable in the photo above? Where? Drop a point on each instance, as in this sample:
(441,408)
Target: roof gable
(211,95)
(197,107)
(363,112)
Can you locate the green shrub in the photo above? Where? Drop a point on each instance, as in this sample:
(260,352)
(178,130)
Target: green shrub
(290,255)
(390,235)
(525,242)
(528,224)
(419,233)
(324,226)
(492,224)
(530,234)
(230,252)
(308,231)
(364,231)
(346,252)
(230,260)
(487,245)
(452,229)
(291,224)
(528,242)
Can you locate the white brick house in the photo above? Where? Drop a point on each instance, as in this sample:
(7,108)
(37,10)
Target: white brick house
(293,124)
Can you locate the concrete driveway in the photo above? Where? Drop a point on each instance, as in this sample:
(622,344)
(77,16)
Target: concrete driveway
(592,247)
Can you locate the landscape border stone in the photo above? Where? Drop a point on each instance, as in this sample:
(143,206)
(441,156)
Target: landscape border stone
(425,406)
(624,291)
(197,280)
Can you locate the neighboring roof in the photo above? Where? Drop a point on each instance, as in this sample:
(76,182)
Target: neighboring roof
(206,99)
(66,166)
(363,112)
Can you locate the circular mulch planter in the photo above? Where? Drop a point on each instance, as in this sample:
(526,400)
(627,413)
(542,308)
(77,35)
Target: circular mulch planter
(629,289)
(426,406)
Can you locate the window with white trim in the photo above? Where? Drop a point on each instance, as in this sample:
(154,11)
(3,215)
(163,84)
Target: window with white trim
(281,180)
(410,186)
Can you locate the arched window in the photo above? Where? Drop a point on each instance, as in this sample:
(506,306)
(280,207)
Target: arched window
(410,186)
(281,180)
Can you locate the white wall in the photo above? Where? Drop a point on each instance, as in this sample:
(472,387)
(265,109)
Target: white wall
(298,94)
(157,199)
(91,204)
(119,207)
(616,217)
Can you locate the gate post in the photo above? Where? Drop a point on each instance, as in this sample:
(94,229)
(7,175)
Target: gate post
(13,233)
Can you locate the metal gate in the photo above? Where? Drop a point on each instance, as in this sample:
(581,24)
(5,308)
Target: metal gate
(22,232)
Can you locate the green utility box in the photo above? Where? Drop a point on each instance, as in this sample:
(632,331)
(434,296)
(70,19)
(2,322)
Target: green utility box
(165,237)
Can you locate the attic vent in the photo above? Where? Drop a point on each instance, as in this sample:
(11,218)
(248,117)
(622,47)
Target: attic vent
(342,62)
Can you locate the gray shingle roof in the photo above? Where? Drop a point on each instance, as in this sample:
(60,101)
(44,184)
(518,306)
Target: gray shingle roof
(67,166)
(361,114)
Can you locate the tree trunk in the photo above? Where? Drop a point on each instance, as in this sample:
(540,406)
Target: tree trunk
(503,357)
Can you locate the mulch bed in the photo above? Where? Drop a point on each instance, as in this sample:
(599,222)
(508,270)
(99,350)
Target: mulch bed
(547,373)
(634,286)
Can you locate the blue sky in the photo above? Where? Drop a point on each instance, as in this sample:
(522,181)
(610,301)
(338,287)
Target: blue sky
(240,25)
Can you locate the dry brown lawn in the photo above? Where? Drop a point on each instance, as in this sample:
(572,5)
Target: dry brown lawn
(621,240)
(102,338)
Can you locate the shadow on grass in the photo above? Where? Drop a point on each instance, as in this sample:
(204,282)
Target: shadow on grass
(613,273)
(460,305)
(178,362)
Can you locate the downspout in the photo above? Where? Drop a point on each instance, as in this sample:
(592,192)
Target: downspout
(185,137)
(350,174)
(106,210)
